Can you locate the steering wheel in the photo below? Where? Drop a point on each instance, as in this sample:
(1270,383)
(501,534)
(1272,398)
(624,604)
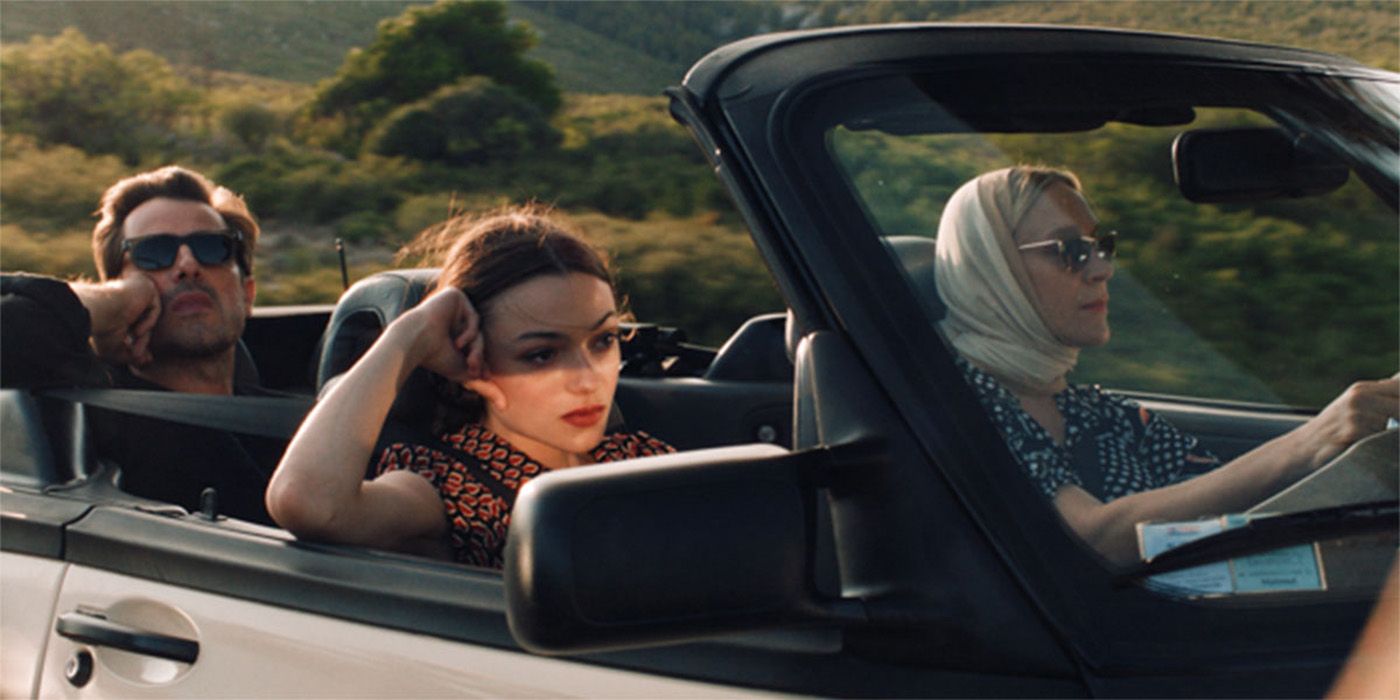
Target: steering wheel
(1367,471)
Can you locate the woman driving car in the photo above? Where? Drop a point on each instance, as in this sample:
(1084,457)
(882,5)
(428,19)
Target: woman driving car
(1023,265)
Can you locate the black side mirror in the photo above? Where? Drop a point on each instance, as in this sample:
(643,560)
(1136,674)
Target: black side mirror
(1250,164)
(665,549)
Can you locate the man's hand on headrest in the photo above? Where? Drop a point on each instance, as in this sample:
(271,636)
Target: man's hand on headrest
(123,312)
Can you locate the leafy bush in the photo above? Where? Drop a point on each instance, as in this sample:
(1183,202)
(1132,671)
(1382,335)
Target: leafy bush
(308,185)
(693,273)
(318,285)
(653,166)
(472,122)
(251,123)
(364,227)
(68,90)
(55,188)
(67,254)
(421,211)
(426,48)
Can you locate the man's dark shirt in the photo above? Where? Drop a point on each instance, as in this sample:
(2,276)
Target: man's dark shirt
(44,331)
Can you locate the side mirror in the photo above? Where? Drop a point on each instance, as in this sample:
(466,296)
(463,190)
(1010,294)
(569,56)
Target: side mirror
(1241,165)
(665,549)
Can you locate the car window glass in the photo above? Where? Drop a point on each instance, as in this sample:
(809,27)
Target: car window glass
(1270,307)
(1277,302)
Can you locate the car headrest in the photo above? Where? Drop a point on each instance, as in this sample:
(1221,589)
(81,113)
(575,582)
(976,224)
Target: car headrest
(755,352)
(916,255)
(362,313)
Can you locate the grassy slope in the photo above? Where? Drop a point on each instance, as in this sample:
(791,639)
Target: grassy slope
(1366,31)
(584,61)
(304,42)
(297,41)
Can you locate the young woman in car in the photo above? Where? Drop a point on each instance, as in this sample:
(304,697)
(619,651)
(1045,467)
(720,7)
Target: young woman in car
(1023,268)
(524,325)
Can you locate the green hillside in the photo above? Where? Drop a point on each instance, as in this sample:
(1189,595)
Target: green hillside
(227,88)
(641,47)
(585,61)
(304,41)
(297,41)
(681,32)
(1366,31)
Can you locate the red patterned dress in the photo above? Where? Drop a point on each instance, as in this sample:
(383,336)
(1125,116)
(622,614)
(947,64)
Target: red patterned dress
(479,478)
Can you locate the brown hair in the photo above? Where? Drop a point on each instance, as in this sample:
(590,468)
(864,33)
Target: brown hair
(493,253)
(486,255)
(171,182)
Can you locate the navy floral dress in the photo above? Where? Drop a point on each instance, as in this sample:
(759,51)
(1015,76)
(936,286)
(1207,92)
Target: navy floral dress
(479,477)
(1134,449)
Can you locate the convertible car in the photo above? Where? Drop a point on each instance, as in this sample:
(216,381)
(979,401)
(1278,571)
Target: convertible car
(844,518)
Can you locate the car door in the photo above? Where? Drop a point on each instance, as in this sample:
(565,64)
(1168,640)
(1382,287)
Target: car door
(253,649)
(168,605)
(135,604)
(109,595)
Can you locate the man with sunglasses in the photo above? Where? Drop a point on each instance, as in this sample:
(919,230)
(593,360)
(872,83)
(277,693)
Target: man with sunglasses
(175,256)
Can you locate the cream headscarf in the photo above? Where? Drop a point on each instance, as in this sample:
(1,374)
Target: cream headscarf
(994,319)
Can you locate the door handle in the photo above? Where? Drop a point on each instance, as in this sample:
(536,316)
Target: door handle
(90,629)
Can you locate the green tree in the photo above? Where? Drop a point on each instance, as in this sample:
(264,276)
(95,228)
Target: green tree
(426,48)
(471,122)
(68,90)
(251,123)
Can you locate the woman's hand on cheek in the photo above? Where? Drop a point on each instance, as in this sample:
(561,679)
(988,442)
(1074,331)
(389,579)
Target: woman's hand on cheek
(445,335)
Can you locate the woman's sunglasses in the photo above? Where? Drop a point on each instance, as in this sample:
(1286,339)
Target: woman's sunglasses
(159,251)
(1075,252)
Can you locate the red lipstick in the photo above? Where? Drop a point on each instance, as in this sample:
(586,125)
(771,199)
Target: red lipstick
(585,417)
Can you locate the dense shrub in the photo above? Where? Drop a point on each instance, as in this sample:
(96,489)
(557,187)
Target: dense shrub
(66,254)
(307,185)
(54,188)
(364,227)
(472,122)
(426,48)
(694,273)
(68,90)
(251,123)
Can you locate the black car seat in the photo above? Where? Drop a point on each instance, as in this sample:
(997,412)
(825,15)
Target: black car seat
(916,255)
(361,315)
(245,370)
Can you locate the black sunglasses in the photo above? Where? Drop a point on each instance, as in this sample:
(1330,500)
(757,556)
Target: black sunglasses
(1075,252)
(159,251)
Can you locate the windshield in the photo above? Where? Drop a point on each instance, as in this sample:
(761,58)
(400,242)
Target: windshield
(1281,301)
(1206,259)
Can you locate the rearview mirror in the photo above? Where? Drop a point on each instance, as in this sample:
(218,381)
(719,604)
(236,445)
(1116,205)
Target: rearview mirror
(664,549)
(1241,165)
